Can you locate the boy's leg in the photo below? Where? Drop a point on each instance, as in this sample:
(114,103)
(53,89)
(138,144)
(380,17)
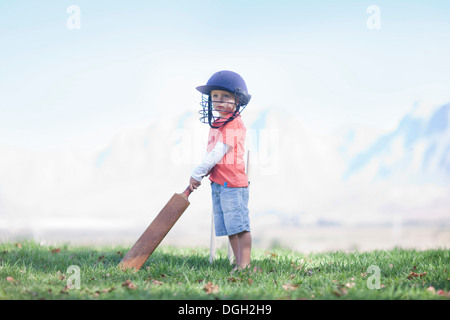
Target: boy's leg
(234,241)
(242,248)
(234,203)
(245,248)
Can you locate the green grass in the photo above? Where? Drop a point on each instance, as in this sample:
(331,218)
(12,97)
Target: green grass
(32,271)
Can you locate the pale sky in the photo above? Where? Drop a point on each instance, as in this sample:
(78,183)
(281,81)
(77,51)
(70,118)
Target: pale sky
(131,62)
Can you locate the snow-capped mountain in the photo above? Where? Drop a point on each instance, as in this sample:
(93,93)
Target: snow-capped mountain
(405,172)
(418,150)
(297,178)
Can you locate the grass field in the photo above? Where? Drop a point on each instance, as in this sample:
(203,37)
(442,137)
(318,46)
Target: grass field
(29,270)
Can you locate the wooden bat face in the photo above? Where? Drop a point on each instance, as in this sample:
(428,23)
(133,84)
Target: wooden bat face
(156,231)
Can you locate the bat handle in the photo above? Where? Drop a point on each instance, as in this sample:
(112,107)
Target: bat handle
(187,192)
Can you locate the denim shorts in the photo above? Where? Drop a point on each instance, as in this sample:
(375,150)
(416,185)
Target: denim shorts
(230,207)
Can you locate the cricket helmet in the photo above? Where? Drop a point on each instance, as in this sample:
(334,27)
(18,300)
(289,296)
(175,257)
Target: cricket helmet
(227,81)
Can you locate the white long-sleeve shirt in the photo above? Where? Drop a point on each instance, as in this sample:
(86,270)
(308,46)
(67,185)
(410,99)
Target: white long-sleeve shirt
(210,160)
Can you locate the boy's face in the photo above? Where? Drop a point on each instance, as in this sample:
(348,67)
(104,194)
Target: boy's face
(223,102)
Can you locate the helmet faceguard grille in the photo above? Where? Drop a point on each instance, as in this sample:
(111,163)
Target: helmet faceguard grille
(213,117)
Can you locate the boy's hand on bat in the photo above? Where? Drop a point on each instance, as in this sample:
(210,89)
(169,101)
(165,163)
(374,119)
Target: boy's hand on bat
(194,184)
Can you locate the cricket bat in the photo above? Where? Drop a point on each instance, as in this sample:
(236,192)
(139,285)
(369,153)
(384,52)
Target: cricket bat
(156,231)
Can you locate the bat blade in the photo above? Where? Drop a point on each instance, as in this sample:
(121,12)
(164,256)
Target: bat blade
(156,231)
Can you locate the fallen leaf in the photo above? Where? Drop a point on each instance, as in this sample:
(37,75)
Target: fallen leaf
(233,279)
(297,267)
(412,275)
(10,279)
(289,286)
(350,284)
(431,289)
(415,275)
(273,255)
(256,269)
(340,292)
(57,250)
(129,284)
(107,290)
(211,288)
(156,282)
(440,292)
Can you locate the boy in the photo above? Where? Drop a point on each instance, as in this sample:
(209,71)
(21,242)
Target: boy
(224,98)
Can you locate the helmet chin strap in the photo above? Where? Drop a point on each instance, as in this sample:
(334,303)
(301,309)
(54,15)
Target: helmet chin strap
(236,113)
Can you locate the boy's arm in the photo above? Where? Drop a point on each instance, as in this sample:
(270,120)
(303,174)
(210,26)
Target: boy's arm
(209,161)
